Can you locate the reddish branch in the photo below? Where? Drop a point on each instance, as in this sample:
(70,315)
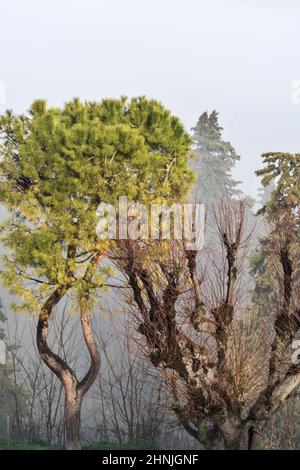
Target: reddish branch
(190,335)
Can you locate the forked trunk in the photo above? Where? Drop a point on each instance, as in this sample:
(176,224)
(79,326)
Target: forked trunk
(74,390)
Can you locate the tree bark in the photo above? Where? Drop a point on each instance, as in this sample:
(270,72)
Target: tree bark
(74,389)
(72,421)
(252,433)
(240,440)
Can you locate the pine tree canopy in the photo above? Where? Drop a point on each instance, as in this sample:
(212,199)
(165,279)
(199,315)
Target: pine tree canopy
(283,170)
(214,160)
(57,165)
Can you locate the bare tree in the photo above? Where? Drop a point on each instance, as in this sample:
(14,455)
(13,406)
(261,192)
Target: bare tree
(128,400)
(127,403)
(225,386)
(36,396)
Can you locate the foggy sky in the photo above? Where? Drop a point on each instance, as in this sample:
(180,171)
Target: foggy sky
(239,57)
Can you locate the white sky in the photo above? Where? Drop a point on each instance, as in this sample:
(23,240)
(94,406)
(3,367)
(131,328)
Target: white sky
(237,56)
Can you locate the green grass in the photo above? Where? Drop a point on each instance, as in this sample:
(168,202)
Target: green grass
(4,445)
(94,446)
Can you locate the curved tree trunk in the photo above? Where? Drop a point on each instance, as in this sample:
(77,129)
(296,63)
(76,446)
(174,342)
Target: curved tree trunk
(74,389)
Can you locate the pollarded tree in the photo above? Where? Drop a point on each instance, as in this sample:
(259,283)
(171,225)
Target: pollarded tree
(227,372)
(56,166)
(187,318)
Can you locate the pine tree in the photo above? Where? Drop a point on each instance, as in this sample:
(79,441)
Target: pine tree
(283,171)
(57,166)
(214,160)
(280,202)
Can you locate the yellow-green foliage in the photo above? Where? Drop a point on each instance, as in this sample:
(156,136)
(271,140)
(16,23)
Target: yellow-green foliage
(284,170)
(57,165)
